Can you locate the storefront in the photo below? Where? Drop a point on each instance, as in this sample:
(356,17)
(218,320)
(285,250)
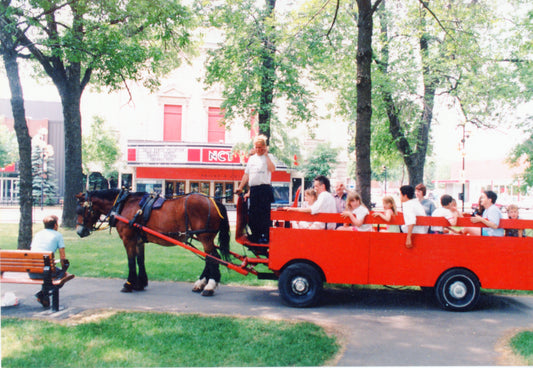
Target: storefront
(174,168)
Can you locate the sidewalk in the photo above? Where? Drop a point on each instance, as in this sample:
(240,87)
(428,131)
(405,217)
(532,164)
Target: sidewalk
(374,327)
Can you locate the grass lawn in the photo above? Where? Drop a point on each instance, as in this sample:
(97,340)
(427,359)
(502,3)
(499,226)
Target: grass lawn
(102,255)
(522,344)
(164,340)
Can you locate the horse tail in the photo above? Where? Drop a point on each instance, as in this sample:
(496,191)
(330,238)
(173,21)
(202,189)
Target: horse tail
(223,232)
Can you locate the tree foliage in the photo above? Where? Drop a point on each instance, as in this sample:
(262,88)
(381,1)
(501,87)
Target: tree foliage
(101,151)
(443,49)
(471,54)
(105,41)
(523,154)
(321,161)
(8,146)
(258,68)
(10,49)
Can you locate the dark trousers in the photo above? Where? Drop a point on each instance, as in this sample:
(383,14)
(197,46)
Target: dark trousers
(261,197)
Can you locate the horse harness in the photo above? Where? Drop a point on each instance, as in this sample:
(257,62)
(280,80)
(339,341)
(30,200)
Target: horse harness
(150,202)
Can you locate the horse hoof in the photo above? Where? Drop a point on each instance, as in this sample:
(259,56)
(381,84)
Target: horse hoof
(208,293)
(127,288)
(199,285)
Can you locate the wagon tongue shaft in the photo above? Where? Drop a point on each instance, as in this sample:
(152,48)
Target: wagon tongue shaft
(229,265)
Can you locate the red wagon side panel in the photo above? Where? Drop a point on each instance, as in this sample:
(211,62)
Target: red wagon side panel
(342,258)
(381,258)
(498,263)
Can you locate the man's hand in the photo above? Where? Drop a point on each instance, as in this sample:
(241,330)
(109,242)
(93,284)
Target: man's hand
(65,264)
(475,219)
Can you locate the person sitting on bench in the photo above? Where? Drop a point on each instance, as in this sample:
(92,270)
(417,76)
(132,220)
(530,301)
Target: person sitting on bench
(50,240)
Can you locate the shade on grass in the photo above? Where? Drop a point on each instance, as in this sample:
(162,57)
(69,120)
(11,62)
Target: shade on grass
(161,339)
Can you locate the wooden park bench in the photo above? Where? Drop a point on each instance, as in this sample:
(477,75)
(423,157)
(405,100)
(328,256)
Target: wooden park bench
(15,265)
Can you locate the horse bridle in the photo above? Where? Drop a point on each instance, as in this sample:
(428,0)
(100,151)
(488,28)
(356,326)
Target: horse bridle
(88,207)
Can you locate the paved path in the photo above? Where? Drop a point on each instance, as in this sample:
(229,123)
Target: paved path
(376,327)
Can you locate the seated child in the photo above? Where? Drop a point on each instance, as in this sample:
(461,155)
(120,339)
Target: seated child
(445,211)
(310,197)
(512,213)
(356,213)
(389,212)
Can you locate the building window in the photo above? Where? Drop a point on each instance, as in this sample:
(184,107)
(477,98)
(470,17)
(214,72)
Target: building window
(174,188)
(149,186)
(216,132)
(202,187)
(224,192)
(172,123)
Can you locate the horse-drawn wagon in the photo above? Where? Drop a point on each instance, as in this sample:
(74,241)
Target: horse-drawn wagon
(452,267)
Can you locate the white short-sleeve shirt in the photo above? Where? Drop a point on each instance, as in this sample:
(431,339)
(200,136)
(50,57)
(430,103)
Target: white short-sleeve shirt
(360,213)
(325,203)
(411,209)
(442,212)
(257,170)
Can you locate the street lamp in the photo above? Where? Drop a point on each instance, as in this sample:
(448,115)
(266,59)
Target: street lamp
(466,134)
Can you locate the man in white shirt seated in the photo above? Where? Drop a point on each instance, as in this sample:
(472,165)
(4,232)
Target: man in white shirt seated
(411,208)
(325,202)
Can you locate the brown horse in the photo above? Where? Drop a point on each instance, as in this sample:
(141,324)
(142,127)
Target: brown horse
(193,216)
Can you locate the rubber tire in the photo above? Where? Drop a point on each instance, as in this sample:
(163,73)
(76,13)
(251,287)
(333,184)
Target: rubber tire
(464,282)
(307,278)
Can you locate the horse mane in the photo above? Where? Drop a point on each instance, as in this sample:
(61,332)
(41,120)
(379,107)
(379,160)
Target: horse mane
(105,194)
(111,194)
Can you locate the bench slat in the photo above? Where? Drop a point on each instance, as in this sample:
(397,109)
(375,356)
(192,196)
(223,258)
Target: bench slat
(24,279)
(26,254)
(24,261)
(23,268)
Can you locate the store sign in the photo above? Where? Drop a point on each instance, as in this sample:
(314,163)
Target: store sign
(222,156)
(172,155)
(161,155)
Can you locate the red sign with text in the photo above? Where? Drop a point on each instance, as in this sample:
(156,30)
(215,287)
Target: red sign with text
(221,156)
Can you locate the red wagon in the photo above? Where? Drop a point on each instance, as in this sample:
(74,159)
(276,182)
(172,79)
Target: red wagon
(453,267)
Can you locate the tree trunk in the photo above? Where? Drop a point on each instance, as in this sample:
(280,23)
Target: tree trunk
(414,156)
(267,78)
(364,100)
(70,99)
(24,142)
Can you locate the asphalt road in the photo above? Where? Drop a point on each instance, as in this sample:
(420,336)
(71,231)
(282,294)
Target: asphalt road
(375,327)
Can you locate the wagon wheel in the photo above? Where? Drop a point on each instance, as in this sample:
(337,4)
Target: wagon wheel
(300,285)
(457,290)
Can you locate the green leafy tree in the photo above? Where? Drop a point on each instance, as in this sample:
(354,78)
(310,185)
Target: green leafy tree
(8,146)
(443,48)
(106,42)
(522,57)
(421,51)
(257,67)
(100,151)
(320,161)
(523,154)
(10,49)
